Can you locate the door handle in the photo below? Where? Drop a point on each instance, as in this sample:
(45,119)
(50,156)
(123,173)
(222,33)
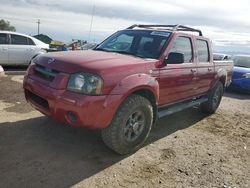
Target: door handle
(5,49)
(209,69)
(193,70)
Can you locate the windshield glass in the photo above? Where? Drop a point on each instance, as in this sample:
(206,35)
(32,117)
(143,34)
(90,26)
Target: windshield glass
(242,61)
(140,43)
(218,57)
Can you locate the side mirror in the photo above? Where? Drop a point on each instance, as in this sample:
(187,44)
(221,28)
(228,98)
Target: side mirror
(174,58)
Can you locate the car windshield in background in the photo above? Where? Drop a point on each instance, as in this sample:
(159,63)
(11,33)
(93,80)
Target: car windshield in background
(140,43)
(218,57)
(242,61)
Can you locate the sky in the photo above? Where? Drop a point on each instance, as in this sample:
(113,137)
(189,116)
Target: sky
(226,23)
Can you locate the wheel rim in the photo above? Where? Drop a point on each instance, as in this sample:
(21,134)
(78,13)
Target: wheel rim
(134,126)
(216,97)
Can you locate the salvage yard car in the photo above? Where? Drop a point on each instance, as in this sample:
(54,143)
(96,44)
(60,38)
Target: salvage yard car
(127,82)
(241,74)
(1,71)
(19,49)
(220,56)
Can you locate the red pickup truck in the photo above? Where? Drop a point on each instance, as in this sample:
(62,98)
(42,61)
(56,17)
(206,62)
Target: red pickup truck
(128,81)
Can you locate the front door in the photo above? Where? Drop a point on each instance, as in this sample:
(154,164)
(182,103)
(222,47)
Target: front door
(178,81)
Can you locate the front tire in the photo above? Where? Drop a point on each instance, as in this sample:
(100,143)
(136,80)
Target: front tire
(214,99)
(130,126)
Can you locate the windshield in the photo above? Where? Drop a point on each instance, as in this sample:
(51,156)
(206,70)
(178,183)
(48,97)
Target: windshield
(242,61)
(140,43)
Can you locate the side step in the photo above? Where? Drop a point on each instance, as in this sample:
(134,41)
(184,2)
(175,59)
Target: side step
(179,107)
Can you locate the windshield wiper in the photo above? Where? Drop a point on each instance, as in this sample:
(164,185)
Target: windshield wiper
(102,49)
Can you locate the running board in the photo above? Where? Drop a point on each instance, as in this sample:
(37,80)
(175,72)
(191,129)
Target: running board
(178,107)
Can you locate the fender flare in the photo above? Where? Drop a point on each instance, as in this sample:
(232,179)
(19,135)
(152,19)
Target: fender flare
(126,87)
(220,75)
(136,82)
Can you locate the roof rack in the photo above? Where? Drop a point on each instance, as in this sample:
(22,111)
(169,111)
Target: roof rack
(168,27)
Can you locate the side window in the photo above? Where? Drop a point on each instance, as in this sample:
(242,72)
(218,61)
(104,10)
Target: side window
(19,40)
(3,39)
(183,45)
(202,48)
(31,42)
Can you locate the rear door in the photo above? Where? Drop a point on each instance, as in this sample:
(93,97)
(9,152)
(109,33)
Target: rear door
(19,50)
(205,65)
(178,81)
(4,49)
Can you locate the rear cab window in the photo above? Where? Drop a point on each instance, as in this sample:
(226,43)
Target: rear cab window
(183,45)
(202,50)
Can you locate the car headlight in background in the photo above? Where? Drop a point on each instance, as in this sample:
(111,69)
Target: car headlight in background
(86,83)
(247,75)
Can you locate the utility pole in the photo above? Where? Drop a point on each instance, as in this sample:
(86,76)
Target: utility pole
(91,23)
(38,26)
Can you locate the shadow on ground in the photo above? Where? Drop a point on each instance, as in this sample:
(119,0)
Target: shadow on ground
(11,92)
(15,68)
(237,94)
(39,152)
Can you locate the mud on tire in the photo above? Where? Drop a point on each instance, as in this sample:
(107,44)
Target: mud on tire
(130,126)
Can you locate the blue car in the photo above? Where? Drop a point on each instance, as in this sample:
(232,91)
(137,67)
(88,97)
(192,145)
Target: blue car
(241,73)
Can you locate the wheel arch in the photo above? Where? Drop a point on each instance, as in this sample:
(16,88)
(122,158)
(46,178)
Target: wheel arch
(221,77)
(148,94)
(139,84)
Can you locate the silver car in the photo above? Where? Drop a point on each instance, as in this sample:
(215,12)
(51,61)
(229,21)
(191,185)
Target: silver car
(19,49)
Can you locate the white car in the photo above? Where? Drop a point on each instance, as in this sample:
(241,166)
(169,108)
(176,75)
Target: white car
(19,49)
(1,71)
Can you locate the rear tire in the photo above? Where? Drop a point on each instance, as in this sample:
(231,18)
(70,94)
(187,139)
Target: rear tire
(214,99)
(130,126)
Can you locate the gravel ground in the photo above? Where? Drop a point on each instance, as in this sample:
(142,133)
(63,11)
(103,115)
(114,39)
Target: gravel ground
(186,149)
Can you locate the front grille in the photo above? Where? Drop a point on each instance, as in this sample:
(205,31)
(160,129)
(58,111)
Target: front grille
(45,73)
(37,99)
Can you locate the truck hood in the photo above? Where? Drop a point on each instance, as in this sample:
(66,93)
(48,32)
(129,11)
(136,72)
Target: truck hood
(90,61)
(241,69)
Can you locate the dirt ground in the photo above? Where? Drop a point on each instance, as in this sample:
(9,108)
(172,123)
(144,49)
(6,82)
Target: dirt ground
(186,149)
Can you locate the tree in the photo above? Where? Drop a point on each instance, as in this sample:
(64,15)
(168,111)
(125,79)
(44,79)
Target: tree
(5,25)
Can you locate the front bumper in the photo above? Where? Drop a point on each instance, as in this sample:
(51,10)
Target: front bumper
(77,110)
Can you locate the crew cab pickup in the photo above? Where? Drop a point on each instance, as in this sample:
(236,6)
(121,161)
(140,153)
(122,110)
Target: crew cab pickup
(127,82)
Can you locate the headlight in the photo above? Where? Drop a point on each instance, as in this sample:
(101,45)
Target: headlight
(247,75)
(86,83)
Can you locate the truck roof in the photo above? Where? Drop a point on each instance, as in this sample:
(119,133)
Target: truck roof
(171,28)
